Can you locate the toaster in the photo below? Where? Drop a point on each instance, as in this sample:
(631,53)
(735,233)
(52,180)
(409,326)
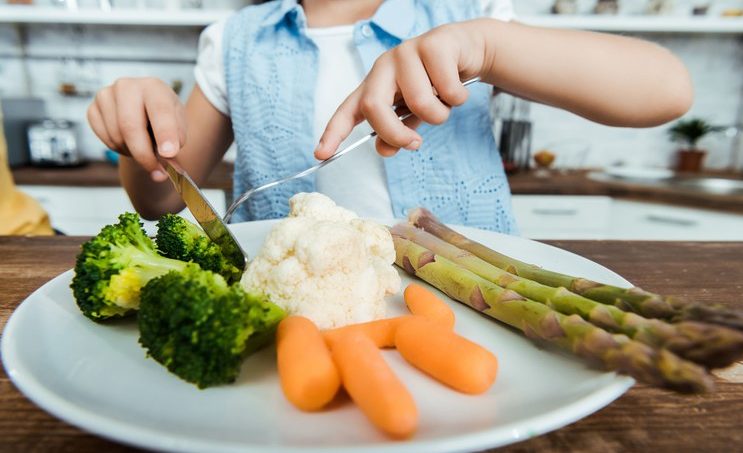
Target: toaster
(53,143)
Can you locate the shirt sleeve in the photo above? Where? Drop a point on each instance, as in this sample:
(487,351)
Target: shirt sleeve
(498,9)
(209,71)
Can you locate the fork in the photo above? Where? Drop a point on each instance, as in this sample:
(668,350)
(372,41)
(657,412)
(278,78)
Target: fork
(244,197)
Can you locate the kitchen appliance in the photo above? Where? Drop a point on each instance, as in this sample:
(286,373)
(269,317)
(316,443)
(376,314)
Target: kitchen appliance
(512,130)
(53,143)
(17,113)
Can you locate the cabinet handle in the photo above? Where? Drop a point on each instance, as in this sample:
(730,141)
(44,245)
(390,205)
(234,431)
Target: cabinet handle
(670,220)
(554,211)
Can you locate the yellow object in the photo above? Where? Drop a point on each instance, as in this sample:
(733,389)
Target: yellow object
(19,213)
(544,158)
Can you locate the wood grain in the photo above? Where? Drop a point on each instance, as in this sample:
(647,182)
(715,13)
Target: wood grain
(644,419)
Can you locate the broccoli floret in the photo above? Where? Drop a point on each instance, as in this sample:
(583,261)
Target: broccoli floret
(180,239)
(200,328)
(113,266)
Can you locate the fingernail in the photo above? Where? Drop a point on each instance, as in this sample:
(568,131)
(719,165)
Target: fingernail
(158,176)
(167,149)
(412,146)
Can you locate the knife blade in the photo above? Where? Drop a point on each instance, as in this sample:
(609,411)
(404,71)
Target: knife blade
(205,214)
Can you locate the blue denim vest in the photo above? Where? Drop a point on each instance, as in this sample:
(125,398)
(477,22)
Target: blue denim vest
(271,71)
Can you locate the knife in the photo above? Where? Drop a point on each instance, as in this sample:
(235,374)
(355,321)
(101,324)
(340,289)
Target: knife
(205,214)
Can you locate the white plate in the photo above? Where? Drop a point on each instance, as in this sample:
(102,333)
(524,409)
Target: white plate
(97,377)
(639,173)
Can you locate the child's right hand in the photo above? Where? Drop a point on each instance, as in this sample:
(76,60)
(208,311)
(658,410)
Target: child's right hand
(417,70)
(121,113)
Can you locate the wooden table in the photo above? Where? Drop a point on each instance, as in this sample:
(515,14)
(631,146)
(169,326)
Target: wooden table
(644,419)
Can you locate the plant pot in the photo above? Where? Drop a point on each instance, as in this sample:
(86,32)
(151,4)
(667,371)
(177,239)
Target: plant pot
(690,160)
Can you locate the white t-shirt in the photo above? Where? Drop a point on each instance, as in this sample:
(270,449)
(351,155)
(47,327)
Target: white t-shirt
(357,181)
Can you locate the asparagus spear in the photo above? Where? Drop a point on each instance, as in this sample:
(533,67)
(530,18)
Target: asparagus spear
(538,321)
(707,344)
(635,299)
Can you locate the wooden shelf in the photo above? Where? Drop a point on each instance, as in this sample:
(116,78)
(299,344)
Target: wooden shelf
(25,14)
(640,24)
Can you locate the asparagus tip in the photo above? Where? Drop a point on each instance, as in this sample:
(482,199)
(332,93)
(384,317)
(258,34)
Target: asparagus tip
(416,214)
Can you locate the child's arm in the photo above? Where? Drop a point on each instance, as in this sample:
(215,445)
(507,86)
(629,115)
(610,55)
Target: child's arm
(609,79)
(119,116)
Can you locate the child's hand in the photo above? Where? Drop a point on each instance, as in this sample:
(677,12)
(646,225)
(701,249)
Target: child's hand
(437,60)
(610,79)
(121,113)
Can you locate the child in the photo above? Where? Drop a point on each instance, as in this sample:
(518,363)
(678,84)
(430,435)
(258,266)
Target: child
(271,75)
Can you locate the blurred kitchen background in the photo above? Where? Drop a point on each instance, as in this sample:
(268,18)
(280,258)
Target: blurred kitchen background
(570,178)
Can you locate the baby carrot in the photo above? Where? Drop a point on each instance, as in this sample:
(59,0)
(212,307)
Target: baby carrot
(373,386)
(452,359)
(381,331)
(422,301)
(308,375)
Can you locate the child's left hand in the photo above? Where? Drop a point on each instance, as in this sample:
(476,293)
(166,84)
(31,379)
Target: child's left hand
(437,60)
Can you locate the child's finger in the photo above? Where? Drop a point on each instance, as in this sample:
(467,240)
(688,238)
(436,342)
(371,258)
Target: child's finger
(442,70)
(416,89)
(182,124)
(107,106)
(375,104)
(387,150)
(345,118)
(133,124)
(162,115)
(96,123)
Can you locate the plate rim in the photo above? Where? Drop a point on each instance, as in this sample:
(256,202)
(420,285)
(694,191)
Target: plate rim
(146,437)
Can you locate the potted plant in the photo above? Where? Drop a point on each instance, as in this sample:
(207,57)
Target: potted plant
(689,132)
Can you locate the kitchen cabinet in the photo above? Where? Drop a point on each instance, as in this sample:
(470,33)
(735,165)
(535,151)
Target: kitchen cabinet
(650,221)
(601,217)
(562,217)
(85,210)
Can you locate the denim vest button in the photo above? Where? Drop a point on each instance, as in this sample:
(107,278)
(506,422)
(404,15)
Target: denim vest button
(366,31)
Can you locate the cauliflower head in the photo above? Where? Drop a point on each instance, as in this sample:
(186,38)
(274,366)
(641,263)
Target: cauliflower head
(325,263)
